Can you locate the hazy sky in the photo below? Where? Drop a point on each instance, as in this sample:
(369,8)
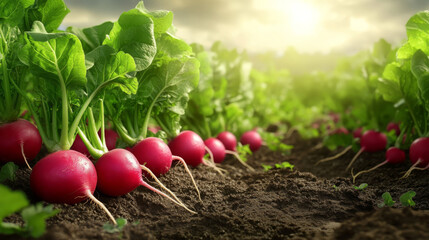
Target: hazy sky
(261,25)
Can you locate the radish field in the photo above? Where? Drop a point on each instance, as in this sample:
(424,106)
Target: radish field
(124,130)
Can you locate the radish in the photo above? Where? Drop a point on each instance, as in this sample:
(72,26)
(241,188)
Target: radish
(154,154)
(357,133)
(79,146)
(66,177)
(394,155)
(371,141)
(335,117)
(253,139)
(217,148)
(419,155)
(119,173)
(154,129)
(20,142)
(393,127)
(111,138)
(189,146)
(340,130)
(229,141)
(219,151)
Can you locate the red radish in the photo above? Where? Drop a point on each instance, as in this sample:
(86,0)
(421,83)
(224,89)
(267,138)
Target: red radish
(217,148)
(253,139)
(419,155)
(357,133)
(394,155)
(229,141)
(335,117)
(119,173)
(219,151)
(111,138)
(189,146)
(371,141)
(65,177)
(154,129)
(393,127)
(79,146)
(340,130)
(20,142)
(154,154)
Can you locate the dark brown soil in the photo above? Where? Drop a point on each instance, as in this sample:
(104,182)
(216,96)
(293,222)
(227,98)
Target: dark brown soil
(278,204)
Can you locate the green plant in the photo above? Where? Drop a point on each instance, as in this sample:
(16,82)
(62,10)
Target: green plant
(110,228)
(406,199)
(8,171)
(278,166)
(361,187)
(388,201)
(34,216)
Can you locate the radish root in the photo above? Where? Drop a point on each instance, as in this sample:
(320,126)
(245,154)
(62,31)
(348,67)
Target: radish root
(334,157)
(407,174)
(354,159)
(189,173)
(100,204)
(23,155)
(160,183)
(145,184)
(239,159)
(367,171)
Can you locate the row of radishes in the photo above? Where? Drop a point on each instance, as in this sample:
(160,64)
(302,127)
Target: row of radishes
(374,141)
(69,176)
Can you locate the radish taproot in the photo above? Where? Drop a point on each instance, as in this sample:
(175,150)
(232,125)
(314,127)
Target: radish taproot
(20,142)
(189,146)
(66,177)
(119,173)
(419,155)
(253,139)
(394,155)
(154,154)
(219,152)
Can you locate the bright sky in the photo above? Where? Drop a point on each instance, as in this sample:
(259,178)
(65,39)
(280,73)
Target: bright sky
(269,25)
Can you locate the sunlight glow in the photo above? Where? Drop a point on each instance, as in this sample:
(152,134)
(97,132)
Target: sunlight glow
(303,18)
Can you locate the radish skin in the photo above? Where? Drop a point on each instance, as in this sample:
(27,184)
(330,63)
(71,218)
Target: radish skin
(393,127)
(20,142)
(253,139)
(228,140)
(189,146)
(66,177)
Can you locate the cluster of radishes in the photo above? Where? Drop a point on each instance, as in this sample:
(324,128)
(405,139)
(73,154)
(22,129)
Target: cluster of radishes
(69,176)
(373,141)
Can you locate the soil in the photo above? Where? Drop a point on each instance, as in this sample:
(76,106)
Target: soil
(310,202)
